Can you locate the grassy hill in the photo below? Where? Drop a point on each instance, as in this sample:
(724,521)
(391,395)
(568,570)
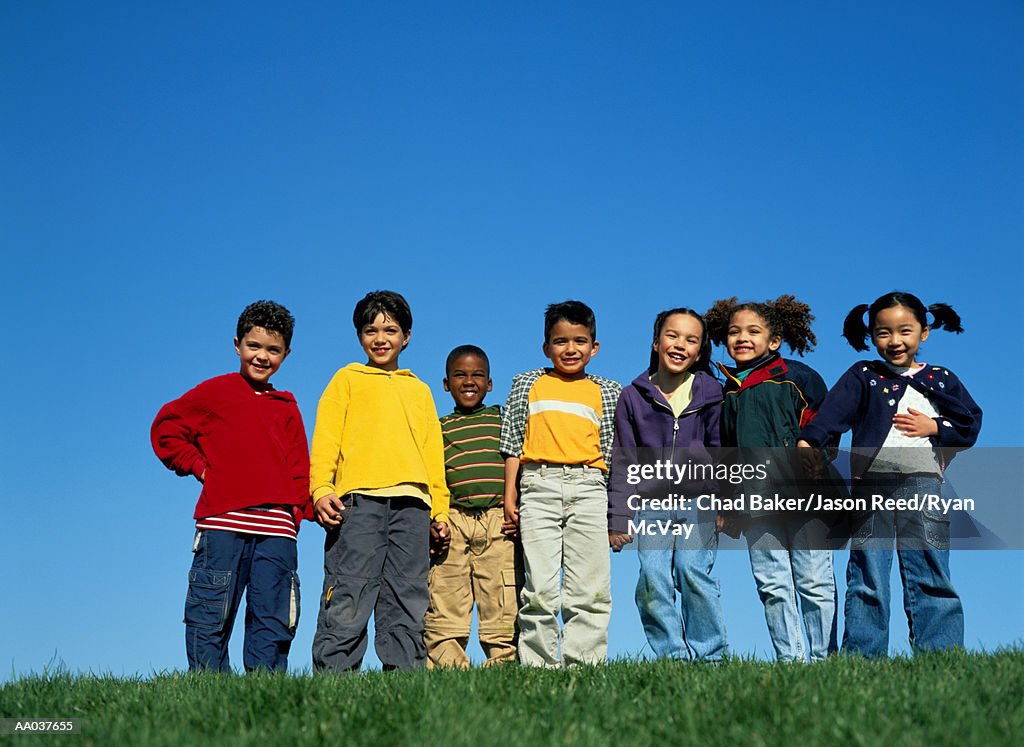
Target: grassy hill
(939,699)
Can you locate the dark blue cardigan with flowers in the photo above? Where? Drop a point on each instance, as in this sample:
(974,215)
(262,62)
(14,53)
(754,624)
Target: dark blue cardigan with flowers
(867,396)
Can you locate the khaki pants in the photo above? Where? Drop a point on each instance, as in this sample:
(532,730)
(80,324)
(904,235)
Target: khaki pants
(479,566)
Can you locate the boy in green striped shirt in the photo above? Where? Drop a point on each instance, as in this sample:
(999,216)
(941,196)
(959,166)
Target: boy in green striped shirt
(480,563)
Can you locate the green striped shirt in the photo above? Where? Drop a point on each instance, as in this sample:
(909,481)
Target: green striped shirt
(474,468)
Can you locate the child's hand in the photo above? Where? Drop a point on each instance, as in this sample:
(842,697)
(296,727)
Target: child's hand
(915,424)
(440,538)
(328,511)
(810,457)
(511,526)
(731,524)
(618,540)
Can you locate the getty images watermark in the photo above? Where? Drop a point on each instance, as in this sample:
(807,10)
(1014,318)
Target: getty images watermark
(973,496)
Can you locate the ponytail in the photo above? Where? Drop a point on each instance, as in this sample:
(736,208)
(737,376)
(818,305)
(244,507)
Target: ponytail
(943,317)
(855,330)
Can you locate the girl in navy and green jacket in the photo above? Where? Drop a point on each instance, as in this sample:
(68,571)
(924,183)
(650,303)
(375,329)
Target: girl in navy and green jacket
(767,400)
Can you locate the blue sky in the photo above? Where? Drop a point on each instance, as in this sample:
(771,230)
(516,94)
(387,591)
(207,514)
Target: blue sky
(161,166)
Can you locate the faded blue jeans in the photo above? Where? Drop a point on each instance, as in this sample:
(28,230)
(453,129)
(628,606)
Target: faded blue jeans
(796,584)
(678,599)
(934,611)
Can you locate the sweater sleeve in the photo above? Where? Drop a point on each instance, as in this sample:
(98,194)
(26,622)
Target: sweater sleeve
(958,425)
(175,433)
(298,464)
(624,448)
(839,410)
(433,458)
(325,456)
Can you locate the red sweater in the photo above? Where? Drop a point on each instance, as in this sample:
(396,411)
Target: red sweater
(252,445)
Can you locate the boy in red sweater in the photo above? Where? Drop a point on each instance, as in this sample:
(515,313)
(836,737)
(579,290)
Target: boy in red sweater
(245,442)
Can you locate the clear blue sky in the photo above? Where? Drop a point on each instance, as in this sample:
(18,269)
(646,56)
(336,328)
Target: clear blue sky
(162,165)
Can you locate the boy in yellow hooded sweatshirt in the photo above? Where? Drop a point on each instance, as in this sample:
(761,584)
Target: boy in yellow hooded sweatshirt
(377,483)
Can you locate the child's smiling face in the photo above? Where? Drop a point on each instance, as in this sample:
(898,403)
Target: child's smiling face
(898,335)
(469,380)
(261,353)
(678,344)
(570,348)
(383,340)
(749,337)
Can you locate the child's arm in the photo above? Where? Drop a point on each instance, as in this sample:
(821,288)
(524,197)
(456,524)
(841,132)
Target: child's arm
(175,433)
(325,456)
(624,448)
(959,421)
(838,412)
(511,525)
(433,458)
(298,462)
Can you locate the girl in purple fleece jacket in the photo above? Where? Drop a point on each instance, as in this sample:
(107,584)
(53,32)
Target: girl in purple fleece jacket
(670,412)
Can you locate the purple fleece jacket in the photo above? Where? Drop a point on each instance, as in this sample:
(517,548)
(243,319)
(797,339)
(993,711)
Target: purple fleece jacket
(646,429)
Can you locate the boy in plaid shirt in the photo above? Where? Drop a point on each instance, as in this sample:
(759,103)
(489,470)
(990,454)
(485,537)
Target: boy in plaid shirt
(556,438)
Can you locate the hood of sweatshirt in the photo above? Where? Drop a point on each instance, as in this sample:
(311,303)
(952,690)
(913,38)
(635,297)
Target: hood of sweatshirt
(373,371)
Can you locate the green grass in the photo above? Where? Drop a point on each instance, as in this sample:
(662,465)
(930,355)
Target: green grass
(951,698)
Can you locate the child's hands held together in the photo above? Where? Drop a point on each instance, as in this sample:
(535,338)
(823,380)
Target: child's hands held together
(511,526)
(328,511)
(618,540)
(810,457)
(440,538)
(915,424)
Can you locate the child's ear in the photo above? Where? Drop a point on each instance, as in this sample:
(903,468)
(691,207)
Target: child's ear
(238,350)
(593,350)
(924,333)
(444,383)
(407,336)
(775,343)
(490,385)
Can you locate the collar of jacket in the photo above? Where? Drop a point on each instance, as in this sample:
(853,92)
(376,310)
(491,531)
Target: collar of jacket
(703,394)
(363,368)
(772,367)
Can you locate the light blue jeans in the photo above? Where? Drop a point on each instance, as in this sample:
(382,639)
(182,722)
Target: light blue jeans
(795,584)
(563,520)
(934,611)
(678,599)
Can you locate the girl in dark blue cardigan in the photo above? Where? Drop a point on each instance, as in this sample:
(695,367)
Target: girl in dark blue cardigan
(908,419)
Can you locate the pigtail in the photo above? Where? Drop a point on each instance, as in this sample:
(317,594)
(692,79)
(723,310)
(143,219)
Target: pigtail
(855,330)
(945,318)
(717,319)
(792,322)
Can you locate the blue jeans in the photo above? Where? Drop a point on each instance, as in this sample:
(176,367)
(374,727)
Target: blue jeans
(678,599)
(795,584)
(224,565)
(934,612)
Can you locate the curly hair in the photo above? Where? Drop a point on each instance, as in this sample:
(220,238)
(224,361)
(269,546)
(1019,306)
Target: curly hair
(857,332)
(786,316)
(269,315)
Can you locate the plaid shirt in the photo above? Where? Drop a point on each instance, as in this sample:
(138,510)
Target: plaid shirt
(517,410)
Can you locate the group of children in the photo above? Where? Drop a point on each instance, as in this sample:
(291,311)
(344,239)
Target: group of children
(514,509)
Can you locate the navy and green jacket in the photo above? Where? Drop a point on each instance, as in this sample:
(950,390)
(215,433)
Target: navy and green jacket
(868,395)
(770,406)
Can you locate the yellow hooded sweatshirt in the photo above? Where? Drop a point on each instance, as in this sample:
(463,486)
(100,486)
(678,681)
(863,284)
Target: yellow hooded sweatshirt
(377,429)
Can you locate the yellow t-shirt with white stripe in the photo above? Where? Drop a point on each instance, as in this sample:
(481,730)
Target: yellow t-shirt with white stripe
(564,422)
